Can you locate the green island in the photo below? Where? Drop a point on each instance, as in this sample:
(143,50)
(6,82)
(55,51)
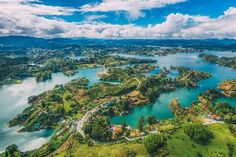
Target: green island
(41,63)
(224,61)
(229,88)
(15,69)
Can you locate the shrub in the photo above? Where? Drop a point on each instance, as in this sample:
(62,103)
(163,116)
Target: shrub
(230,149)
(154,142)
(131,153)
(198,133)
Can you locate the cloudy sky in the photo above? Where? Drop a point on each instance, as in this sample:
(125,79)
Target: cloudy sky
(155,19)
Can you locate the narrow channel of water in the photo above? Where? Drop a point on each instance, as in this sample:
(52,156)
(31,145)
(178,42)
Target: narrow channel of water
(160,109)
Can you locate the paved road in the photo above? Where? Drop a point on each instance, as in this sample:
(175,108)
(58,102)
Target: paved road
(80,123)
(138,82)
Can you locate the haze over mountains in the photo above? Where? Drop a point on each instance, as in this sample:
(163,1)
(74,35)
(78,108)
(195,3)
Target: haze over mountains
(18,44)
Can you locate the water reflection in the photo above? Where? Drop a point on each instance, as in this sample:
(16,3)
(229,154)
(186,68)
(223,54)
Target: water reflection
(13,100)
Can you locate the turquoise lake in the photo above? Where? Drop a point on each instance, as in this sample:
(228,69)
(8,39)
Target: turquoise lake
(160,109)
(13,98)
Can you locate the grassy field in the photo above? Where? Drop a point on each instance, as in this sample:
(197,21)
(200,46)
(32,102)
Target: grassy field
(178,145)
(105,150)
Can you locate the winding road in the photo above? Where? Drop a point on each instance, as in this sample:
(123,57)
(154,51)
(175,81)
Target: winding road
(80,123)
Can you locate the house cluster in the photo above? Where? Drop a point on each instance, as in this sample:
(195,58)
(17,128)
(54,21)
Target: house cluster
(107,98)
(117,132)
(89,117)
(129,133)
(210,115)
(205,107)
(214,117)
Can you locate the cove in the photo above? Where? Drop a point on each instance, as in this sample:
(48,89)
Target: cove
(160,109)
(13,100)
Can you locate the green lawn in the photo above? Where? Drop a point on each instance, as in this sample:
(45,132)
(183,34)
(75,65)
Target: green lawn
(108,150)
(180,145)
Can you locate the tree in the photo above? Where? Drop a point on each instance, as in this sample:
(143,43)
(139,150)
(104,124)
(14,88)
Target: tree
(56,98)
(141,124)
(98,129)
(10,150)
(152,94)
(154,142)
(124,127)
(198,133)
(68,97)
(230,118)
(124,105)
(149,88)
(230,149)
(151,120)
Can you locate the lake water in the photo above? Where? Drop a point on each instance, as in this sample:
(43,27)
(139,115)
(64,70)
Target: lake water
(160,109)
(13,98)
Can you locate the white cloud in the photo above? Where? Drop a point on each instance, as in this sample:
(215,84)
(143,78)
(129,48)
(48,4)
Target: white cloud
(221,27)
(176,26)
(27,7)
(133,7)
(94,17)
(230,11)
(171,27)
(197,18)
(23,17)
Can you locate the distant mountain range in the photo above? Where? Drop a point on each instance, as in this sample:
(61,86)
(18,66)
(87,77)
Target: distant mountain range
(22,43)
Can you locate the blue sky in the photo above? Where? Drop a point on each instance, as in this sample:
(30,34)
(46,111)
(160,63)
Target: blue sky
(211,8)
(119,18)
